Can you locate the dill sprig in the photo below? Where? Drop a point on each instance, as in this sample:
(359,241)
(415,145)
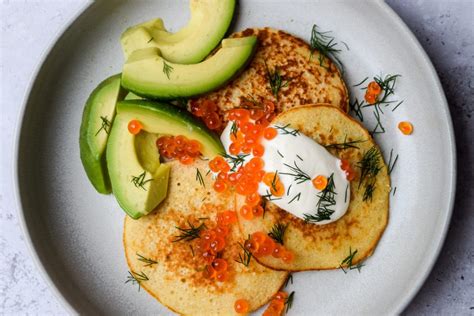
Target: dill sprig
(105,126)
(236,161)
(234,128)
(296,197)
(345,144)
(369,167)
(391,164)
(327,199)
(274,181)
(246,256)
(139,181)
(388,86)
(275,80)
(347,262)
(167,69)
(296,172)
(288,280)
(326,45)
(286,131)
(200,178)
(345,194)
(356,107)
(280,154)
(360,83)
(137,278)
(379,128)
(269,196)
(191,233)
(277,232)
(148,262)
(289,301)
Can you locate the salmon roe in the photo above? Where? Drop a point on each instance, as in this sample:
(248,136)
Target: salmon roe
(320,182)
(179,147)
(350,173)
(373,92)
(405,127)
(208,111)
(261,245)
(241,306)
(134,127)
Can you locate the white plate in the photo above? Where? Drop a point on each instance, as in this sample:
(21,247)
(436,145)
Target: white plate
(76,234)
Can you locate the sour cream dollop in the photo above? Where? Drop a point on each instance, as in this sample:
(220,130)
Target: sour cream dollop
(291,152)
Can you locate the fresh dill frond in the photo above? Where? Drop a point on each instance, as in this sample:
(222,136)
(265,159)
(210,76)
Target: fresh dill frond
(295,198)
(327,200)
(105,126)
(347,262)
(277,232)
(362,82)
(275,80)
(345,194)
(189,233)
(200,178)
(289,301)
(284,130)
(192,250)
(274,181)
(167,69)
(136,278)
(388,86)
(369,167)
(296,172)
(139,181)
(269,196)
(379,128)
(235,161)
(246,256)
(326,45)
(280,154)
(345,144)
(148,262)
(234,129)
(288,280)
(356,107)
(391,164)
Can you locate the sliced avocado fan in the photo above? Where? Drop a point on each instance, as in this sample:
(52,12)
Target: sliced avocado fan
(146,73)
(208,24)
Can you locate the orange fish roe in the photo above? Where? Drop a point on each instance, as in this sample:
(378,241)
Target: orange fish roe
(261,245)
(179,147)
(241,306)
(134,127)
(207,110)
(350,173)
(405,127)
(320,182)
(372,93)
(212,241)
(275,308)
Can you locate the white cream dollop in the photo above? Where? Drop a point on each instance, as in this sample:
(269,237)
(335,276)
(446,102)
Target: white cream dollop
(293,149)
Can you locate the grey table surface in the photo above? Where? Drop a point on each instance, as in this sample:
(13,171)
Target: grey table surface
(445,29)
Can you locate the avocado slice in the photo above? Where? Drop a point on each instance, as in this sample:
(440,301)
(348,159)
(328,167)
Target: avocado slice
(208,24)
(97,119)
(147,74)
(139,181)
(132,96)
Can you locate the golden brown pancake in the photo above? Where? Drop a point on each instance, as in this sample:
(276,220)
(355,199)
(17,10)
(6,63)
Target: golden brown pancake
(177,280)
(307,80)
(318,247)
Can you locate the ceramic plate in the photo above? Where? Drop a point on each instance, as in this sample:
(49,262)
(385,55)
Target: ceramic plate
(76,234)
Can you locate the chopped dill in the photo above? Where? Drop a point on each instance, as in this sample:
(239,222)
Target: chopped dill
(378,129)
(394,191)
(345,194)
(275,80)
(289,301)
(391,164)
(150,40)
(139,181)
(269,196)
(396,106)
(148,262)
(348,264)
(326,45)
(356,107)
(327,199)
(345,144)
(289,280)
(105,126)
(236,161)
(234,129)
(246,256)
(285,131)
(274,181)
(296,197)
(167,69)
(192,249)
(136,278)
(200,178)
(280,154)
(360,83)
(188,234)
(299,157)
(296,172)
(369,167)
(277,232)
(289,188)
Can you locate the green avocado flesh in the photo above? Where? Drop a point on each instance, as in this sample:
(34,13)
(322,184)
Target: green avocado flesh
(208,24)
(147,74)
(139,181)
(96,123)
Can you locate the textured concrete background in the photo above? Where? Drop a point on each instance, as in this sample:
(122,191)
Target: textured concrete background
(445,28)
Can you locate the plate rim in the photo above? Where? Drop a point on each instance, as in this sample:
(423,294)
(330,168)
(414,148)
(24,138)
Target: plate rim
(403,301)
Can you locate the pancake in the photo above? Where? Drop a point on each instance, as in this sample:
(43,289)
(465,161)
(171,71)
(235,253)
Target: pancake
(308,81)
(177,279)
(318,247)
